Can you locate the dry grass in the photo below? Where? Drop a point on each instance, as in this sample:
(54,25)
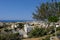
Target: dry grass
(33,39)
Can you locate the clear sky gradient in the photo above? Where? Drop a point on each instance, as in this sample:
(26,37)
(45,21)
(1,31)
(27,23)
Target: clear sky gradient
(18,9)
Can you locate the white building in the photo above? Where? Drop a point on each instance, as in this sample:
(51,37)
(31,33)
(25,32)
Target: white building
(14,26)
(27,28)
(40,24)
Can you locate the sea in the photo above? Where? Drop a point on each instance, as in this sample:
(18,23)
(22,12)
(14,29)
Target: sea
(16,20)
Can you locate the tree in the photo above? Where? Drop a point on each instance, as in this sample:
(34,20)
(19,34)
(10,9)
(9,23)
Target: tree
(53,19)
(40,13)
(49,11)
(46,10)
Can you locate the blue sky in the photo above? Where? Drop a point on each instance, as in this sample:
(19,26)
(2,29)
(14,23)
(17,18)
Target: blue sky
(18,9)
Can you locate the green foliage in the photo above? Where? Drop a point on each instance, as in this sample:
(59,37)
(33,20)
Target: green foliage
(37,32)
(21,25)
(7,30)
(53,19)
(58,28)
(1,27)
(9,37)
(50,30)
(46,10)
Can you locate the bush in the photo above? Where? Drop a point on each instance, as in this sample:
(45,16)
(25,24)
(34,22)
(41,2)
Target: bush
(50,30)
(58,28)
(10,37)
(37,32)
(21,25)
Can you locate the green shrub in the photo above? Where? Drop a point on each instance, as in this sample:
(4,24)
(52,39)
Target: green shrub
(37,32)
(10,37)
(58,28)
(21,25)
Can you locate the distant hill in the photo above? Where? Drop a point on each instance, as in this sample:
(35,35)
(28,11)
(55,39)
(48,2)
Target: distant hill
(16,20)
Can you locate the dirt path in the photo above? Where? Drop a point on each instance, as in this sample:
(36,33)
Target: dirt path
(33,39)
